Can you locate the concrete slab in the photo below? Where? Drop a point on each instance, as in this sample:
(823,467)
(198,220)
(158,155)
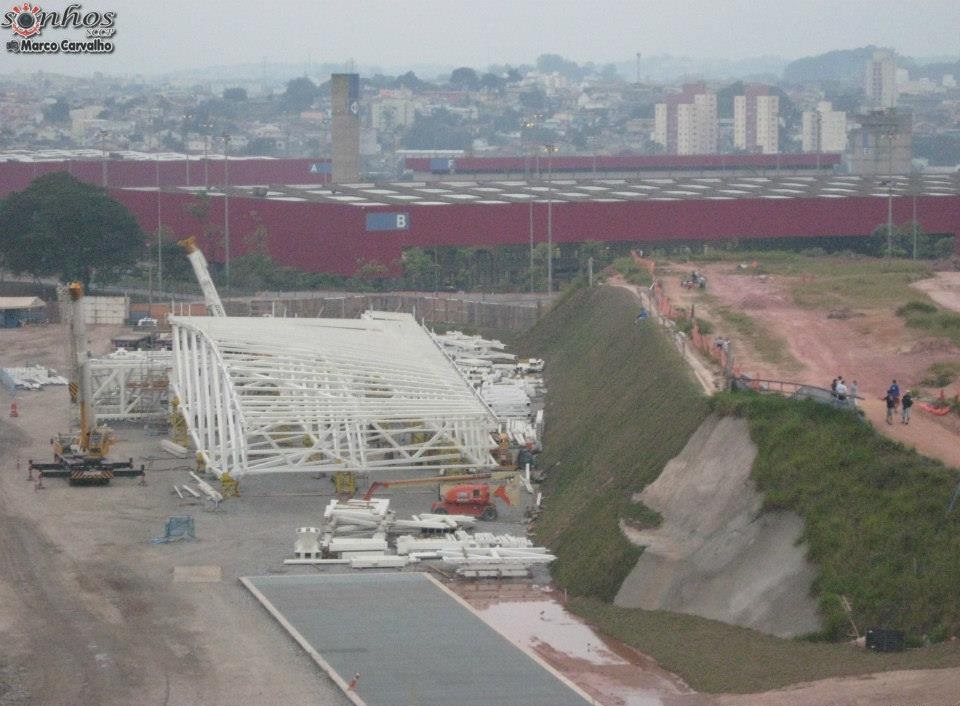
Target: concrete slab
(411,640)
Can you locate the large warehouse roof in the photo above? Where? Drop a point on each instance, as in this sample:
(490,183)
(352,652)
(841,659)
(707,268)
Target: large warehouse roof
(407,193)
(374,394)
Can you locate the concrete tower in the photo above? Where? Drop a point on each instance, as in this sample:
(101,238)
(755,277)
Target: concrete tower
(345,132)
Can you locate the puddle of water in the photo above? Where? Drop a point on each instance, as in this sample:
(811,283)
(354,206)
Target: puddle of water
(545,622)
(613,673)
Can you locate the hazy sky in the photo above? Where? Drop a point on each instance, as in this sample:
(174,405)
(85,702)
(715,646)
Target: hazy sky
(174,34)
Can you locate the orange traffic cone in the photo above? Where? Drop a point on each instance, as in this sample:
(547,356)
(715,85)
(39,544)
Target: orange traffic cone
(13,410)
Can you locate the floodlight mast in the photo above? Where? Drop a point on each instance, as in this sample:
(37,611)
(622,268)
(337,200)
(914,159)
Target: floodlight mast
(199,262)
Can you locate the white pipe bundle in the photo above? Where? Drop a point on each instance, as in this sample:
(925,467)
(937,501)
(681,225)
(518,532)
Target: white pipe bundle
(480,556)
(380,561)
(506,400)
(341,545)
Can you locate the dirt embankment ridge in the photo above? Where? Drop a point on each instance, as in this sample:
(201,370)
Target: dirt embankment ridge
(717,554)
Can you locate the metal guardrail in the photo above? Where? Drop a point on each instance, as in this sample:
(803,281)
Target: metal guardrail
(793,390)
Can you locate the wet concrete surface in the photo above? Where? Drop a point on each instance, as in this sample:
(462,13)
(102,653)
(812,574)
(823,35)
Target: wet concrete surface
(614,674)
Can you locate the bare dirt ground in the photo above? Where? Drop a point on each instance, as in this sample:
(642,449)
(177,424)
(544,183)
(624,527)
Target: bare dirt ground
(943,288)
(873,349)
(89,609)
(715,554)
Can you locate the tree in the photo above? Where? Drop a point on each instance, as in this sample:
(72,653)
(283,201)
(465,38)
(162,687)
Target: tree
(554,63)
(300,94)
(419,269)
(465,79)
(440,130)
(61,226)
(236,95)
(534,100)
(411,81)
(492,82)
(58,112)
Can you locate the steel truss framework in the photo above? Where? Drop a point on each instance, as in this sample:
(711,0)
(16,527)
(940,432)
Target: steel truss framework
(374,394)
(130,385)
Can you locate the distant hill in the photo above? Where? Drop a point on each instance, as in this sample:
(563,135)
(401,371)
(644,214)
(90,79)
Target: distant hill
(668,69)
(842,66)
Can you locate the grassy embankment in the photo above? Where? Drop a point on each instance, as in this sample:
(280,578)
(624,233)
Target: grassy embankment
(620,405)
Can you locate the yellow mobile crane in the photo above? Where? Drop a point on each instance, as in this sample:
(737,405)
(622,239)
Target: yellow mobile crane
(82,457)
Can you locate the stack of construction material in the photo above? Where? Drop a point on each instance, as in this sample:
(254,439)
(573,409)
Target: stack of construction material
(521,431)
(530,365)
(507,400)
(428,522)
(32,377)
(357,516)
(432,547)
(485,562)
(366,517)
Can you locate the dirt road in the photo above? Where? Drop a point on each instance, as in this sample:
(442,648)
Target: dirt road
(872,347)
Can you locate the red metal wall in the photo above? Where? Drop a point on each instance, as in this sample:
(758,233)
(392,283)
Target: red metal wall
(16,176)
(330,237)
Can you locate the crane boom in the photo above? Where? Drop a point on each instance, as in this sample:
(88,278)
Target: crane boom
(210,295)
(81,370)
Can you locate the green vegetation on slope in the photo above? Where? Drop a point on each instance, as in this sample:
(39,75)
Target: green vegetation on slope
(631,271)
(875,512)
(715,657)
(941,374)
(620,405)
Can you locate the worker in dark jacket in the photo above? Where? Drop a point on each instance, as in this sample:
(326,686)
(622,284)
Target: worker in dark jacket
(906,402)
(891,401)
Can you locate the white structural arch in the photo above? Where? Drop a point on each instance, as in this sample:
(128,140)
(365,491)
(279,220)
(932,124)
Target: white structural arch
(372,394)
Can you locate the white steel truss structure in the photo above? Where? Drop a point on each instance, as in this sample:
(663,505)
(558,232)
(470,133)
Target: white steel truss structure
(374,394)
(130,385)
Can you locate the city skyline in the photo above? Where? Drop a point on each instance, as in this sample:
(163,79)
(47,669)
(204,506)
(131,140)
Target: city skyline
(179,36)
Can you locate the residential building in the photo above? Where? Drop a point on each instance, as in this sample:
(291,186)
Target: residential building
(756,120)
(686,123)
(881,81)
(824,129)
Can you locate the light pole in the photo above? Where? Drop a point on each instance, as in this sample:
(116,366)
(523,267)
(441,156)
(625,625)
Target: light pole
(550,150)
(159,233)
(226,207)
(103,157)
(915,179)
(889,184)
(185,138)
(206,148)
(531,246)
